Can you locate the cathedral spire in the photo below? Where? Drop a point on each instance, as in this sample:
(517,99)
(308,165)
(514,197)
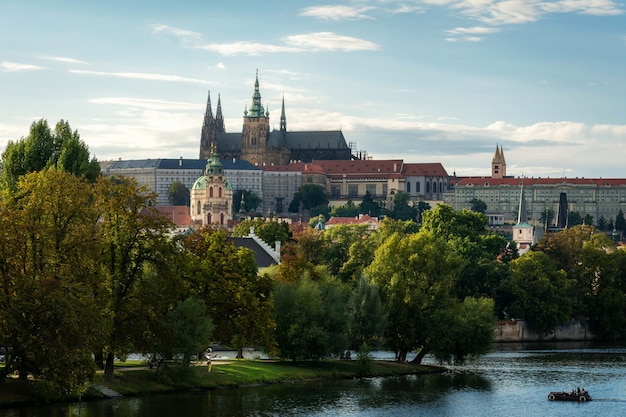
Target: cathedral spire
(219,119)
(208,114)
(256,110)
(283,119)
(498,163)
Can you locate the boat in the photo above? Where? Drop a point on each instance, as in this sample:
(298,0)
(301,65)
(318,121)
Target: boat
(579,395)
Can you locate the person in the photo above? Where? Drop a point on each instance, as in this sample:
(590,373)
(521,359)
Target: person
(208,364)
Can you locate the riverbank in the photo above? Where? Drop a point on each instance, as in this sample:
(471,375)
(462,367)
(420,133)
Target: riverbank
(140,380)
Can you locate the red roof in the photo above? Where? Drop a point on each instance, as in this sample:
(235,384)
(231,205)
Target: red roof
(179,215)
(434,169)
(516,182)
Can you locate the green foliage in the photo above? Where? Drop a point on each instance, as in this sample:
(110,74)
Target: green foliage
(620,222)
(42,148)
(364,359)
(178,194)
(371,207)
(402,210)
(268,231)
(478,205)
(347,210)
(307,197)
(539,291)
(186,331)
(366,318)
(310,318)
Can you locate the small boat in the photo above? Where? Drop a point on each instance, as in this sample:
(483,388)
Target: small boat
(579,395)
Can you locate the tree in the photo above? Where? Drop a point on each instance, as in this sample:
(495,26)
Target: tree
(49,271)
(366,319)
(547,217)
(422,206)
(401,208)
(588,220)
(539,291)
(574,218)
(237,298)
(269,232)
(346,210)
(308,197)
(602,224)
(135,239)
(250,199)
(478,205)
(369,206)
(178,194)
(42,148)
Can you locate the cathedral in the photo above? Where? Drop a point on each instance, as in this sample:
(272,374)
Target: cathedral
(211,196)
(260,146)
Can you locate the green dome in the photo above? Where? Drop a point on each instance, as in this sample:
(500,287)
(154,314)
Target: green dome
(200,183)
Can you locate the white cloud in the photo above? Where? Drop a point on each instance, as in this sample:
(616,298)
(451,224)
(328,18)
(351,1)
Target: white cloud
(187,36)
(328,41)
(146,103)
(337,12)
(65,59)
(143,76)
(246,48)
(17,67)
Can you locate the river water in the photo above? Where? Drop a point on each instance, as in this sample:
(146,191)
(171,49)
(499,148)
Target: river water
(511,381)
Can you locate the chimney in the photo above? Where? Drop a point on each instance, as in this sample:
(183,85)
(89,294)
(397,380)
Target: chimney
(180,162)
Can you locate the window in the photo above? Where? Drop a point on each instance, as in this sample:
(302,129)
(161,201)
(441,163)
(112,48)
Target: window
(334,191)
(211,192)
(353,190)
(427,187)
(408,186)
(371,188)
(417,187)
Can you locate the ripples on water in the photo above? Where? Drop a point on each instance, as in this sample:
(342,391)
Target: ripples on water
(511,381)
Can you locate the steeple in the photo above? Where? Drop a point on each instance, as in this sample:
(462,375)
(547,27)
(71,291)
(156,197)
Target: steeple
(256,110)
(206,135)
(498,164)
(219,119)
(283,119)
(521,212)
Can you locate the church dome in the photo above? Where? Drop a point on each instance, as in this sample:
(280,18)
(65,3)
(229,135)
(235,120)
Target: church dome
(200,183)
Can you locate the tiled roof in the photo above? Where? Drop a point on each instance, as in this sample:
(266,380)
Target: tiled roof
(434,169)
(179,215)
(516,182)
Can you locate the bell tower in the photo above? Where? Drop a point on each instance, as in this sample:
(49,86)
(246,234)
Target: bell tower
(498,164)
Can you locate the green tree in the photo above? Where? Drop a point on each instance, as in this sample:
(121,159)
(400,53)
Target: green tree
(178,194)
(588,220)
(402,210)
(308,197)
(269,231)
(478,205)
(547,217)
(49,250)
(135,238)
(43,148)
(347,210)
(250,199)
(338,241)
(310,318)
(602,224)
(416,274)
(369,206)
(365,316)
(574,218)
(539,291)
(237,298)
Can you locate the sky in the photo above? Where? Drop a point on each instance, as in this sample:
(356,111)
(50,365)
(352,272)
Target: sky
(425,81)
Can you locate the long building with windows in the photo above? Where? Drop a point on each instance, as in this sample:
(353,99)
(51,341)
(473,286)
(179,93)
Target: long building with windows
(597,197)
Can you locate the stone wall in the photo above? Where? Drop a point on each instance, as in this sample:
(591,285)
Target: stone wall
(520,331)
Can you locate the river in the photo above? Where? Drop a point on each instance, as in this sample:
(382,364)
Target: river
(511,381)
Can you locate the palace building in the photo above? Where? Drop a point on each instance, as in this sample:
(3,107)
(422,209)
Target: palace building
(261,146)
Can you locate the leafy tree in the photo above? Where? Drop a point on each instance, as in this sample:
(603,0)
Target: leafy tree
(237,298)
(371,207)
(602,223)
(365,316)
(308,197)
(478,205)
(134,238)
(268,231)
(547,217)
(338,241)
(310,318)
(49,247)
(422,206)
(347,210)
(401,208)
(416,275)
(588,220)
(186,331)
(250,199)
(43,148)
(539,290)
(574,218)
(178,194)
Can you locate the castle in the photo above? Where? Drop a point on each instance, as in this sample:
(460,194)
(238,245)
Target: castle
(261,146)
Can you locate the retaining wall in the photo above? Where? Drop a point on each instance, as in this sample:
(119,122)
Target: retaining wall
(520,331)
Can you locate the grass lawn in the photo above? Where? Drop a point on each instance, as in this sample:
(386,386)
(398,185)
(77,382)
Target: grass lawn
(136,379)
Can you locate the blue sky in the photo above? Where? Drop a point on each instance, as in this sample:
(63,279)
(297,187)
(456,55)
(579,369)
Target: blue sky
(426,81)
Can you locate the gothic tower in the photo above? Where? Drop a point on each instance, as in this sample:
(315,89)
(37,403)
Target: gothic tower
(211,126)
(498,164)
(256,147)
